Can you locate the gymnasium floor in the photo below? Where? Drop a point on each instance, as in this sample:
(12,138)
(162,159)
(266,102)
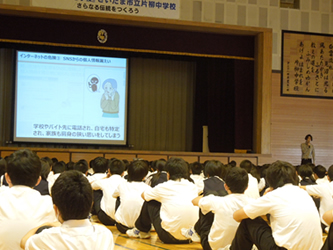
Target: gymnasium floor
(123,242)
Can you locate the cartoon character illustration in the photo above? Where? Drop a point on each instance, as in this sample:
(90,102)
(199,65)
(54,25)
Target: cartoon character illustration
(110,98)
(93,83)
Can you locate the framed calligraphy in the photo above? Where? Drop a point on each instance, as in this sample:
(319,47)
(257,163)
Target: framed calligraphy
(307,65)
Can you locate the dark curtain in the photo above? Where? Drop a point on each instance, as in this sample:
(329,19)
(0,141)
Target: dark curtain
(223,102)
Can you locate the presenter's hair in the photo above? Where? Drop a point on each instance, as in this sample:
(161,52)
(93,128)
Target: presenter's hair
(73,195)
(281,173)
(237,180)
(24,168)
(308,135)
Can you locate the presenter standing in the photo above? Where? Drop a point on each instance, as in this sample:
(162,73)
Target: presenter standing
(308,152)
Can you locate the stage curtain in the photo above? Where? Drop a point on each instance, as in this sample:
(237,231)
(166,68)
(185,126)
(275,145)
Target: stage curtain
(161,104)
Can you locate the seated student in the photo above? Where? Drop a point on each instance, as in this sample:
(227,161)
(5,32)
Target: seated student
(214,185)
(22,208)
(104,203)
(196,175)
(100,167)
(325,193)
(294,219)
(72,199)
(3,165)
(160,174)
(224,226)
(252,190)
(305,172)
(328,218)
(57,168)
(129,193)
(320,174)
(43,186)
(175,210)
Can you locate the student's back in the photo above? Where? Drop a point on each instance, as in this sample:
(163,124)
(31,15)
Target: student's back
(22,208)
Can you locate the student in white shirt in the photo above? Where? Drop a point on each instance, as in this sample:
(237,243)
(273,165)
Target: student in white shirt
(100,167)
(104,203)
(22,208)
(294,220)
(82,166)
(174,210)
(72,197)
(252,190)
(325,193)
(320,174)
(57,168)
(328,218)
(129,193)
(196,175)
(224,226)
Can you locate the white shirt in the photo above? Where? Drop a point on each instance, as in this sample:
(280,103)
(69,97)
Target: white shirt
(198,181)
(22,209)
(177,210)
(72,235)
(252,190)
(325,192)
(130,202)
(322,180)
(224,226)
(108,186)
(294,218)
(95,177)
(51,179)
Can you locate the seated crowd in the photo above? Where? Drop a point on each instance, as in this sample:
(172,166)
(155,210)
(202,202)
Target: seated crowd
(48,204)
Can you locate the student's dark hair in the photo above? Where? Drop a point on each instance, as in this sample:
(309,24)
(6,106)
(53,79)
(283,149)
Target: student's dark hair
(45,169)
(137,170)
(213,168)
(82,166)
(48,159)
(305,171)
(237,180)
(126,162)
(3,164)
(232,164)
(54,160)
(100,165)
(73,195)
(70,165)
(196,168)
(58,167)
(281,173)
(177,168)
(320,171)
(24,168)
(330,172)
(160,166)
(247,165)
(116,166)
(308,135)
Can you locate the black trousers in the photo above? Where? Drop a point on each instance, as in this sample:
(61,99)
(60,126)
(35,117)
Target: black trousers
(306,161)
(202,227)
(328,245)
(256,232)
(150,214)
(102,216)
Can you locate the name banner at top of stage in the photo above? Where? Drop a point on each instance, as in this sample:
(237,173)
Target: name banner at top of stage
(307,65)
(160,9)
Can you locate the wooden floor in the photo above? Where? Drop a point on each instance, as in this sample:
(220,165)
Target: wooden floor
(122,242)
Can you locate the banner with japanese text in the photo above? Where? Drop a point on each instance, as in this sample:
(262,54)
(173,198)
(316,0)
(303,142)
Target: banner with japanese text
(307,65)
(160,9)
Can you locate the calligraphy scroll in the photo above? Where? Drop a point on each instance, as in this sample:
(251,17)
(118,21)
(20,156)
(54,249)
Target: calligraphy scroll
(307,65)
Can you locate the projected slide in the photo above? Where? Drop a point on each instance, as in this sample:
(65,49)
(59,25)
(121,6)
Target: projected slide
(70,98)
